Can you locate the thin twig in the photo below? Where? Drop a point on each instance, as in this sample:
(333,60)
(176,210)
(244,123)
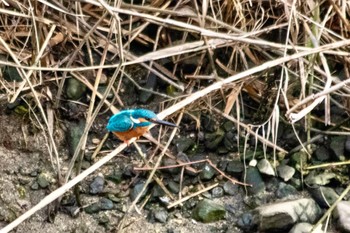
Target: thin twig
(192,195)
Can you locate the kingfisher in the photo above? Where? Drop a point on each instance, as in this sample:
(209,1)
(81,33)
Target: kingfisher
(128,124)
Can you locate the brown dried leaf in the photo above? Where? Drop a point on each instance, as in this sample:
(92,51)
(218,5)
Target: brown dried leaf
(231,98)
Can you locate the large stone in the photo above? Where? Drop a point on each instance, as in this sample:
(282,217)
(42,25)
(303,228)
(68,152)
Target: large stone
(281,217)
(324,196)
(254,178)
(208,211)
(342,215)
(305,227)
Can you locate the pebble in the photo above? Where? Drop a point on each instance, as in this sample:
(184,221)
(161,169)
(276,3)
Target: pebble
(97,185)
(217,192)
(106,204)
(44,180)
(173,186)
(285,172)
(208,211)
(234,167)
(136,190)
(207,172)
(161,215)
(265,167)
(230,188)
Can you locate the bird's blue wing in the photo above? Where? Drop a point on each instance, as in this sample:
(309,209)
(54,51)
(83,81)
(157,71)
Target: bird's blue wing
(119,123)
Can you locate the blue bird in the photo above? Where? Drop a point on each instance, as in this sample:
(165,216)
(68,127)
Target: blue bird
(128,124)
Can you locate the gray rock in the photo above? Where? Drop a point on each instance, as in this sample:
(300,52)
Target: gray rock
(170,162)
(285,172)
(282,216)
(73,211)
(230,188)
(161,215)
(97,185)
(254,178)
(44,179)
(265,167)
(234,167)
(304,227)
(136,190)
(342,215)
(248,222)
(217,192)
(35,186)
(183,144)
(256,200)
(106,204)
(102,204)
(208,211)
(322,154)
(337,145)
(93,208)
(324,196)
(285,190)
(207,172)
(173,186)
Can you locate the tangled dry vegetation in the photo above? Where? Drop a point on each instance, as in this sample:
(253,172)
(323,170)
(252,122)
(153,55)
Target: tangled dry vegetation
(281,59)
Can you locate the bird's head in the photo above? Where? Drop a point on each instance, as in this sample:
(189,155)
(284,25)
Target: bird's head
(144,117)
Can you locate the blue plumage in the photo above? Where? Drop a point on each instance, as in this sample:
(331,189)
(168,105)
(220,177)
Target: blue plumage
(130,119)
(128,124)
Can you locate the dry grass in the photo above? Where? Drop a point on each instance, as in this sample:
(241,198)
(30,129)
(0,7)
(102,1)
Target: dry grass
(285,55)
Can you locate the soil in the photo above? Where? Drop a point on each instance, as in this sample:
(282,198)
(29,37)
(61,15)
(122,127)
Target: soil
(24,155)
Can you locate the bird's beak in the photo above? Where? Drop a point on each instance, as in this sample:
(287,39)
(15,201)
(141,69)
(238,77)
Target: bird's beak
(160,122)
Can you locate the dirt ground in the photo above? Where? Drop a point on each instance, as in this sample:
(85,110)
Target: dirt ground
(24,155)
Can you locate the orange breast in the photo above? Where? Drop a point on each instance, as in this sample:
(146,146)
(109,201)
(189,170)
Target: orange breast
(132,133)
